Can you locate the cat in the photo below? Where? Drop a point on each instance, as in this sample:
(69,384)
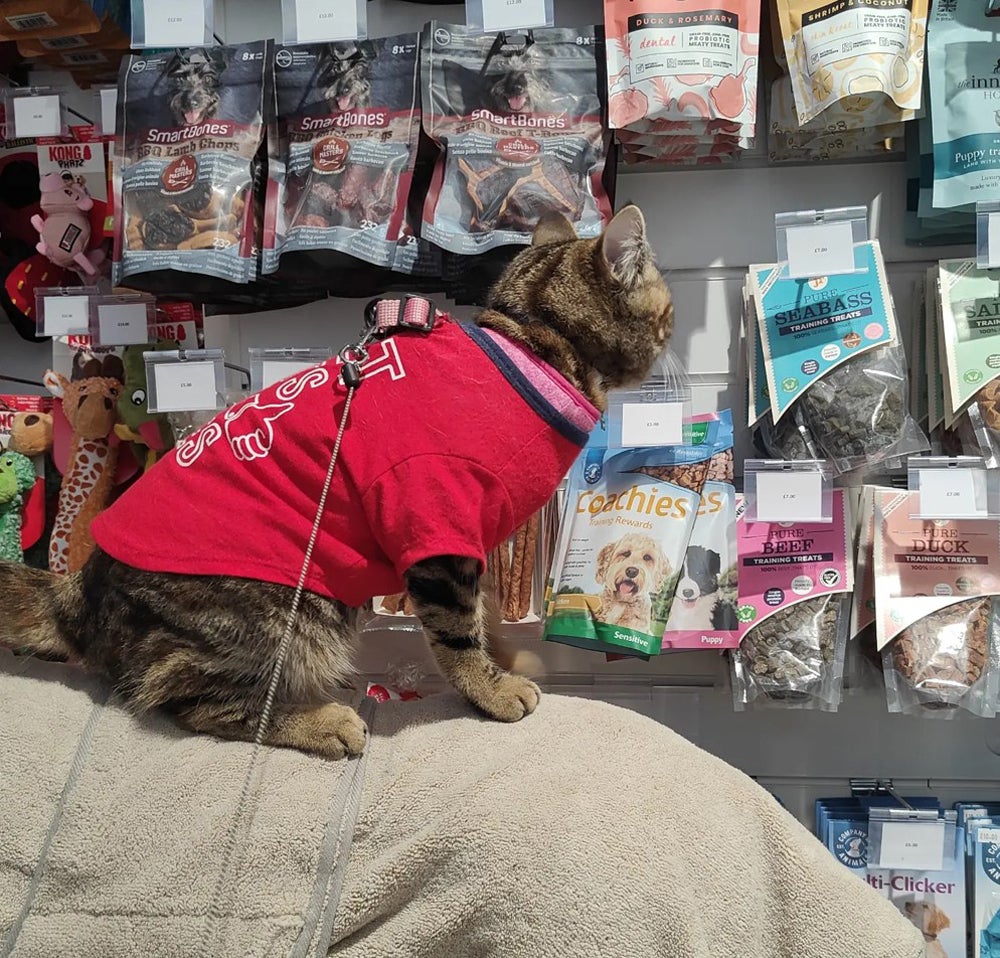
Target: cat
(202,646)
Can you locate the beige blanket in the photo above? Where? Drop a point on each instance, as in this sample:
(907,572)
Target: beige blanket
(585,830)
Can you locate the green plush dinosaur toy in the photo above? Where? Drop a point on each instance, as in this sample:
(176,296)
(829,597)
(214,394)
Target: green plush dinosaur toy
(17,478)
(138,425)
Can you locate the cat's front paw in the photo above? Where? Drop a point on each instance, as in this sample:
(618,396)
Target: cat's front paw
(335,731)
(509,698)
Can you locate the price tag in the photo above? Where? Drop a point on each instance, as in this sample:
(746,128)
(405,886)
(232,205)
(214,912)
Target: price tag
(513,14)
(320,21)
(185,387)
(993,241)
(109,110)
(789,496)
(274,370)
(652,424)
(174,23)
(953,494)
(37,116)
(122,324)
(918,846)
(825,249)
(66,315)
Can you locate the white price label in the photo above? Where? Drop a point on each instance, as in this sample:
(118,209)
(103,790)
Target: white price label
(953,493)
(826,249)
(122,325)
(274,370)
(513,14)
(65,315)
(37,116)
(320,21)
(109,110)
(185,386)
(993,240)
(652,424)
(917,846)
(174,23)
(789,497)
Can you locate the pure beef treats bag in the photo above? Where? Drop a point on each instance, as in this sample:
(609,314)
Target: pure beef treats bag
(341,151)
(190,125)
(517,119)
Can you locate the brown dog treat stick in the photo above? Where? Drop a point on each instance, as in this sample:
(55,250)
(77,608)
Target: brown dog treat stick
(516,567)
(503,575)
(528,568)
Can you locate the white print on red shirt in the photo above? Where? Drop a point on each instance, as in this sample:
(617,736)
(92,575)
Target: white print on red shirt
(251,440)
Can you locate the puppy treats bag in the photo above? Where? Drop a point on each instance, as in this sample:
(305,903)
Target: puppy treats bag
(937,613)
(625,530)
(843,48)
(517,118)
(703,612)
(795,582)
(190,123)
(342,147)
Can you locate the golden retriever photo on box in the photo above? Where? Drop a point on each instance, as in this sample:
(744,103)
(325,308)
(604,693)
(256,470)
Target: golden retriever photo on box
(632,570)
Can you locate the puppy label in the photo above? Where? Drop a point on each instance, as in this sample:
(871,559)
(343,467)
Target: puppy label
(916,846)
(822,250)
(175,23)
(63,315)
(37,116)
(185,386)
(513,14)
(652,424)
(319,21)
(122,325)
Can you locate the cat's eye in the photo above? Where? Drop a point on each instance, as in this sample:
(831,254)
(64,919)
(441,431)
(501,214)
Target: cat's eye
(138,397)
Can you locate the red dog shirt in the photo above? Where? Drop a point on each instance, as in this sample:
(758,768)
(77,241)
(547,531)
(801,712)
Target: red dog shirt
(455,438)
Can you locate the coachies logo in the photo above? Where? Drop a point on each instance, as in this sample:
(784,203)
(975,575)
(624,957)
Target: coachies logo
(851,847)
(330,154)
(518,149)
(990,857)
(180,175)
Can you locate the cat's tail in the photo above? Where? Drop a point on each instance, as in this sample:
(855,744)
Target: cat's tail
(35,606)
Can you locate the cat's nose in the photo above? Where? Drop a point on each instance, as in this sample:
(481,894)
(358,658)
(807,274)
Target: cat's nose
(631,572)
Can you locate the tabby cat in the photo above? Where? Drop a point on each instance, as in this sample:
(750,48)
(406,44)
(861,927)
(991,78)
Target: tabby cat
(214,535)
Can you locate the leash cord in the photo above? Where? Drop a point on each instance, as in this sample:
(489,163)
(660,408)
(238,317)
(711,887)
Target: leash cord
(214,910)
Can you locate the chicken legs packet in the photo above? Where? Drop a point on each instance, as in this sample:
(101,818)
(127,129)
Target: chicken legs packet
(937,609)
(795,584)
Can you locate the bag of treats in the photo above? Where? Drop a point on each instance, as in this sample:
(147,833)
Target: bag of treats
(795,582)
(624,534)
(834,361)
(341,151)
(703,611)
(962,54)
(838,50)
(517,119)
(23,19)
(190,124)
(937,612)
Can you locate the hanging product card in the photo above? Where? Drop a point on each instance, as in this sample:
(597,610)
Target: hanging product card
(275,370)
(171,23)
(270,365)
(652,424)
(323,21)
(109,110)
(65,315)
(822,250)
(36,116)
(778,491)
(191,380)
(493,15)
(988,235)
(947,494)
(913,846)
(121,324)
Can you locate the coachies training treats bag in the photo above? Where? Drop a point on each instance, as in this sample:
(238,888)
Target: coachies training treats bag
(342,148)
(835,364)
(963,50)
(519,127)
(937,612)
(190,125)
(703,612)
(843,48)
(795,582)
(624,534)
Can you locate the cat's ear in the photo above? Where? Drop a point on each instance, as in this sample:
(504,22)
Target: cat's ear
(624,245)
(552,228)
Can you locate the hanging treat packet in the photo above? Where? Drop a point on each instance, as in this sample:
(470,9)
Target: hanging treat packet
(624,534)
(962,53)
(342,144)
(703,612)
(863,606)
(986,889)
(517,119)
(847,48)
(190,125)
(833,358)
(937,613)
(795,582)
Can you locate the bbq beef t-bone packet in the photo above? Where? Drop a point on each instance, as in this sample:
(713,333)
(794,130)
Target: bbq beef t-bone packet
(191,123)
(341,150)
(518,120)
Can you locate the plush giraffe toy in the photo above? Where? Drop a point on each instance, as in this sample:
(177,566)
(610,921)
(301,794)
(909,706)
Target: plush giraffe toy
(90,405)
(17,478)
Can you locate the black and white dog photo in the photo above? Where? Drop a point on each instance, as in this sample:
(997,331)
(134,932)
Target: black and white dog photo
(698,604)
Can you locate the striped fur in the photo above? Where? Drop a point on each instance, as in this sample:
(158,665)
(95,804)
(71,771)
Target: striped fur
(203,647)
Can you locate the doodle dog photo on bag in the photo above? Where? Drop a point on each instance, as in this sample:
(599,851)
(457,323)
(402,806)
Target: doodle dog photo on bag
(518,120)
(341,151)
(191,122)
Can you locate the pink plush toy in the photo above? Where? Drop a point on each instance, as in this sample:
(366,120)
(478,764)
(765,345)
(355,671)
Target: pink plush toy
(65,231)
